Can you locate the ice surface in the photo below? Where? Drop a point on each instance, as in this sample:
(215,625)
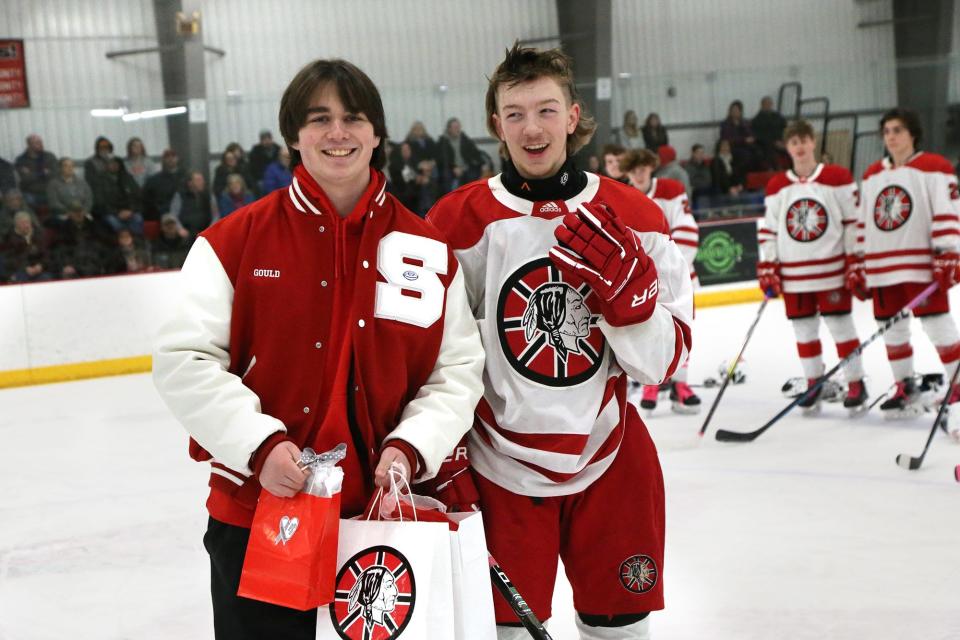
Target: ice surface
(812,531)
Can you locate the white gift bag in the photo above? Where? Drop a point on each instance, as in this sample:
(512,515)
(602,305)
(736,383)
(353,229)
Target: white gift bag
(472,592)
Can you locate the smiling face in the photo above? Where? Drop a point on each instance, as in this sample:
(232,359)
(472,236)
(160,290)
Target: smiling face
(335,145)
(534,119)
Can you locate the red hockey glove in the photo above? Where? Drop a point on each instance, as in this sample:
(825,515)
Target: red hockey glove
(768,275)
(945,266)
(597,248)
(855,278)
(453,484)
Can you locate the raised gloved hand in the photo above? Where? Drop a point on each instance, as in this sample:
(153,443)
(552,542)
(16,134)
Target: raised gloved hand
(768,276)
(453,485)
(597,248)
(855,277)
(945,265)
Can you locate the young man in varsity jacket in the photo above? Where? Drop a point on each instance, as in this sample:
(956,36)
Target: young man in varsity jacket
(322,313)
(909,236)
(807,238)
(575,284)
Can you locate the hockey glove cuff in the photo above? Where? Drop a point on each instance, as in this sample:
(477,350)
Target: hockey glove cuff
(945,266)
(768,276)
(855,277)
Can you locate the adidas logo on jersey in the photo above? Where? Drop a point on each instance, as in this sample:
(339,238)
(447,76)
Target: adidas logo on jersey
(550,207)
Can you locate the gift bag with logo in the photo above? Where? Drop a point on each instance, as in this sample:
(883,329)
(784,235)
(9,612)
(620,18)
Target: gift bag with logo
(394,576)
(291,558)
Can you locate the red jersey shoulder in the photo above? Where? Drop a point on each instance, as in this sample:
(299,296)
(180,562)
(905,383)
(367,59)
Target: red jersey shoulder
(668,189)
(833,175)
(637,211)
(462,215)
(873,169)
(931,163)
(777,182)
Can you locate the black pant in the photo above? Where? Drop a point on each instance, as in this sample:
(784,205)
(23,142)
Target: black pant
(236,618)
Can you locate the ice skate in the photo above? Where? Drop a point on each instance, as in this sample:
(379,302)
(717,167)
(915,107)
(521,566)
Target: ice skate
(683,399)
(648,401)
(856,400)
(811,403)
(903,403)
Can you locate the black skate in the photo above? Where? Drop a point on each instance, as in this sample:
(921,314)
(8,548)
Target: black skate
(683,399)
(856,400)
(903,403)
(811,402)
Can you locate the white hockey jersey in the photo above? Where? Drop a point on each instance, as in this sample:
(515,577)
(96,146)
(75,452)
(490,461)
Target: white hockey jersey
(672,198)
(809,226)
(551,418)
(907,213)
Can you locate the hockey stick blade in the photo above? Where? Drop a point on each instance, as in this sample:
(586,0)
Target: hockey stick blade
(908,461)
(914,463)
(737,436)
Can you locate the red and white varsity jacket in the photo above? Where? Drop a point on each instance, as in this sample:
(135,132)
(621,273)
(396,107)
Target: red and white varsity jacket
(907,213)
(809,227)
(327,329)
(554,403)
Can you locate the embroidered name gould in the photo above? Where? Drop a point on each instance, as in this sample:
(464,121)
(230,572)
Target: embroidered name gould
(266,273)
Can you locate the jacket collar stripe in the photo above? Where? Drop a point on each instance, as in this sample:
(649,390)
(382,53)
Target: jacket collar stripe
(293,199)
(296,187)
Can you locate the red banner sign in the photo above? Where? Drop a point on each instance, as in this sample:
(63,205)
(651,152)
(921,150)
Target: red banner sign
(13,76)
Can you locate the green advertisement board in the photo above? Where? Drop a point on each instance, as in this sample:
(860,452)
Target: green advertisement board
(728,252)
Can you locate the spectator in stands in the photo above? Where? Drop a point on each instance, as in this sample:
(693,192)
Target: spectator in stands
(421,144)
(826,158)
(34,168)
(138,163)
(670,168)
(768,126)
(735,130)
(12,203)
(65,188)
(629,136)
(278,173)
(262,155)
(8,178)
(403,175)
(193,205)
(162,186)
(654,133)
(234,196)
(612,155)
(458,158)
(128,255)
(117,198)
(27,258)
(81,244)
(728,177)
(229,165)
(97,163)
(593,163)
(243,162)
(169,249)
(698,171)
(427,186)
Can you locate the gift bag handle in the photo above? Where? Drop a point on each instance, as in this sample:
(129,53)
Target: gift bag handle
(398,481)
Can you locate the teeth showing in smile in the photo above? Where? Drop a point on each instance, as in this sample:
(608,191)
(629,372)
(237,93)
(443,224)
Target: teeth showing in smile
(338,153)
(536,147)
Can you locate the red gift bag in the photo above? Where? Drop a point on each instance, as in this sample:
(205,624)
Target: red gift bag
(291,558)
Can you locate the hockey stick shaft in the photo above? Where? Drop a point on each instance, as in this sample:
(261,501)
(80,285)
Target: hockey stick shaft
(735,436)
(516,601)
(914,463)
(733,366)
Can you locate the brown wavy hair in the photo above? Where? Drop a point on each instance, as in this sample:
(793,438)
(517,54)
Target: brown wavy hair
(523,64)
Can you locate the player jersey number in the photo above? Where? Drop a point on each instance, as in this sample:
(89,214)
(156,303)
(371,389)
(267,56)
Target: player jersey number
(413,292)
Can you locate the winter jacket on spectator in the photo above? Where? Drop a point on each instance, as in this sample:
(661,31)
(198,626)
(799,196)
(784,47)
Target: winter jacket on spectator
(195,210)
(35,171)
(470,161)
(81,246)
(159,191)
(170,252)
(228,202)
(113,190)
(61,193)
(8,179)
(276,177)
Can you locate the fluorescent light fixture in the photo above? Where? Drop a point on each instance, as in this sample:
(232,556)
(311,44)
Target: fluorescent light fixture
(107,113)
(154,113)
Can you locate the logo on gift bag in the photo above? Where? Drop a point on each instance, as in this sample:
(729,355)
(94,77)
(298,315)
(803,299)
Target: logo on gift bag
(638,574)
(375,595)
(288,527)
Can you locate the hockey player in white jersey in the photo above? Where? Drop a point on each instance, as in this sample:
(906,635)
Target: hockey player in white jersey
(909,237)
(807,238)
(575,283)
(671,196)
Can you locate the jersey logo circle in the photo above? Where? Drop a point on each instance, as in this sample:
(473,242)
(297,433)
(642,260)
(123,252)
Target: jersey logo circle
(807,220)
(375,595)
(892,208)
(638,574)
(548,327)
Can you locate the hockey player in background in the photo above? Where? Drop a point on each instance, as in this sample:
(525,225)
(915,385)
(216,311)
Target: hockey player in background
(671,196)
(807,239)
(575,284)
(295,330)
(909,237)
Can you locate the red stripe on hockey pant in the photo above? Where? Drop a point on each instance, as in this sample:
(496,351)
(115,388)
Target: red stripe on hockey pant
(899,351)
(809,349)
(846,348)
(949,353)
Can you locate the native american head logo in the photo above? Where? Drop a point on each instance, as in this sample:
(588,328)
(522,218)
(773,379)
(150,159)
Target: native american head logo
(548,326)
(638,574)
(892,208)
(375,595)
(806,220)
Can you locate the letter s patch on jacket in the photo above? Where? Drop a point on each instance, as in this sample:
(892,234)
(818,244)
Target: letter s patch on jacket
(411,265)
